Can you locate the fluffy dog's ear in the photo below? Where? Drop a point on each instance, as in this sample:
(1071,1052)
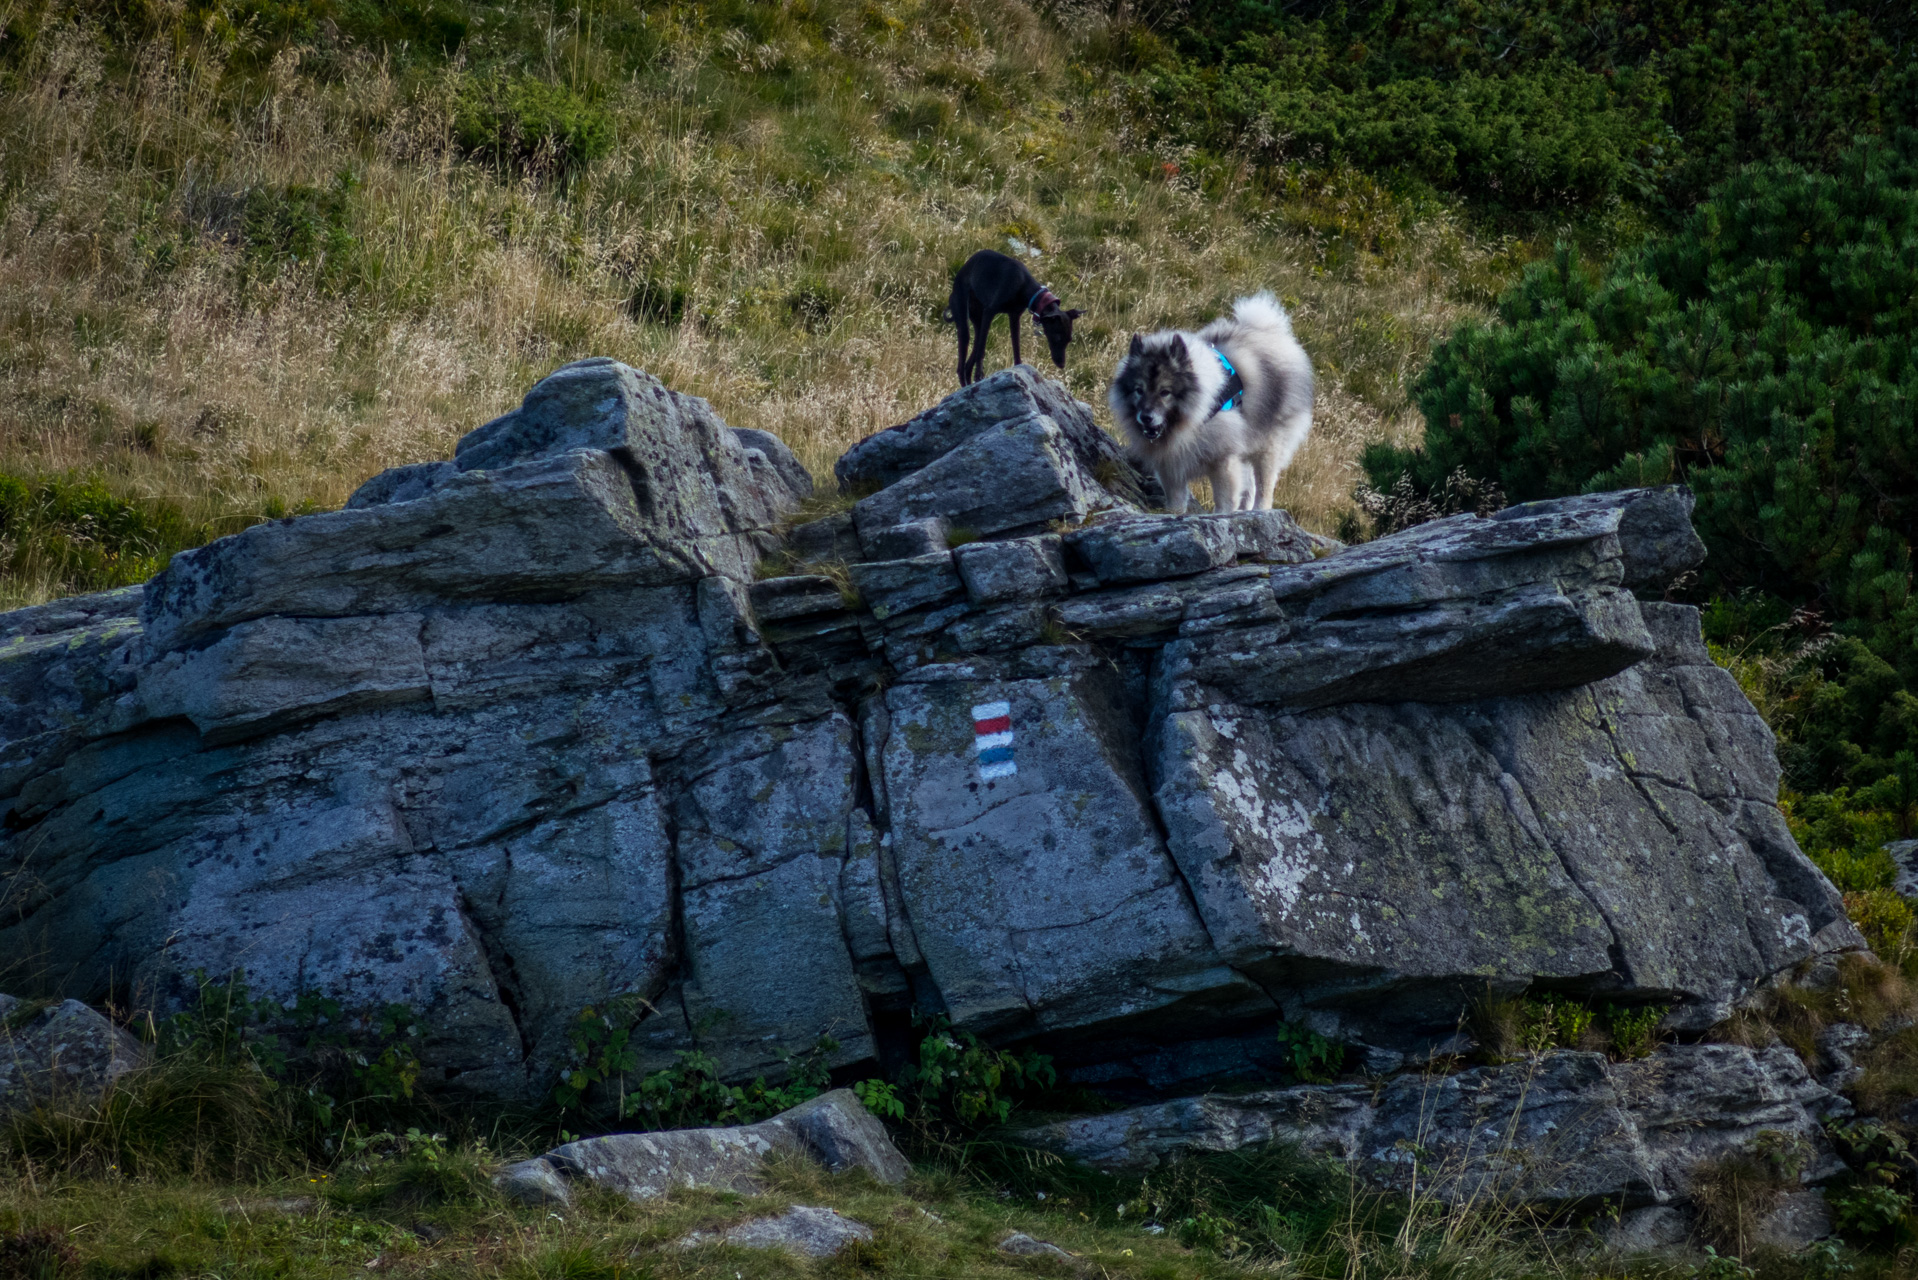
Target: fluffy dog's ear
(1138,346)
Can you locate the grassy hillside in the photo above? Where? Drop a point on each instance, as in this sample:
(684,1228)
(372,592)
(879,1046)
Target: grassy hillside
(253,252)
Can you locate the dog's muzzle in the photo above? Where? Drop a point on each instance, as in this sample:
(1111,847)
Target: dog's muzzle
(1151,430)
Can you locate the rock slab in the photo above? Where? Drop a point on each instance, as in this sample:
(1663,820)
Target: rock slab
(803,1229)
(1565,1128)
(834,1130)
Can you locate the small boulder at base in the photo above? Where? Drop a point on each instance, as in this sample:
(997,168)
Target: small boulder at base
(835,1130)
(534,1182)
(59,1052)
(1021,1245)
(803,1229)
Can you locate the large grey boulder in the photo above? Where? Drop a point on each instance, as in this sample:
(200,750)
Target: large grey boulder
(553,526)
(602,477)
(1010,395)
(1015,477)
(1656,540)
(61,1052)
(833,1130)
(1564,1128)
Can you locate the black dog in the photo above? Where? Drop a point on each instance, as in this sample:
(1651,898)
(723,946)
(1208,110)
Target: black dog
(992,284)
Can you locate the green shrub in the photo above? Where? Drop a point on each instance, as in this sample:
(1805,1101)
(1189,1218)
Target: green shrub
(960,1079)
(1766,353)
(1634,1030)
(529,125)
(1548,137)
(1310,1056)
(689,1094)
(1870,1210)
(1531,104)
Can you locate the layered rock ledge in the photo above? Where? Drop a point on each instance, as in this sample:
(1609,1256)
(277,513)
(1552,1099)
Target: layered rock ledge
(528,730)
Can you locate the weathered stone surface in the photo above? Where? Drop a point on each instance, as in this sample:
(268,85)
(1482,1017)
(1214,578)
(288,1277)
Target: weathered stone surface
(1655,536)
(832,1129)
(1798,1220)
(67,673)
(1409,846)
(533,1182)
(1904,854)
(1651,1229)
(830,537)
(761,841)
(842,1135)
(274,672)
(1021,1245)
(1567,1128)
(1157,608)
(689,472)
(60,1053)
(1449,611)
(1015,569)
(645,1166)
(810,1232)
(1272,537)
(889,587)
(903,542)
(1041,898)
(1011,478)
(1318,1119)
(774,465)
(402,484)
(1148,548)
(1016,393)
(551,527)
(777,599)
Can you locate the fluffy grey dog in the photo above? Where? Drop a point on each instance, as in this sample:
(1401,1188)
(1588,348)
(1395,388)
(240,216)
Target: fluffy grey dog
(1232,402)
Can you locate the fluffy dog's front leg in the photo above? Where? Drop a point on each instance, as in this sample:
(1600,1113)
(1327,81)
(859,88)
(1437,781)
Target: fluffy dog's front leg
(1177,489)
(1228,485)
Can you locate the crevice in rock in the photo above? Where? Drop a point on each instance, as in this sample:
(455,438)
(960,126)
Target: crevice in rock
(1475,728)
(505,974)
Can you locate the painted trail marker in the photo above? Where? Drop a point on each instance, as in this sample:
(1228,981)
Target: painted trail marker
(992,739)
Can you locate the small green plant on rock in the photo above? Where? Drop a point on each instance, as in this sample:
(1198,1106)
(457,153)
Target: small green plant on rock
(1882,1157)
(1634,1030)
(960,1078)
(1309,1056)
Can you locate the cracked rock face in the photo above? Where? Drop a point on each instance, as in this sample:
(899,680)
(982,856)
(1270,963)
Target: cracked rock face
(526,731)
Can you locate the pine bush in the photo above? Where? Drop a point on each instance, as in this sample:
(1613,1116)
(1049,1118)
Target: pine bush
(1766,353)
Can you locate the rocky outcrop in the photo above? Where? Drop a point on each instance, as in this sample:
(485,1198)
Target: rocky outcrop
(525,732)
(1565,1128)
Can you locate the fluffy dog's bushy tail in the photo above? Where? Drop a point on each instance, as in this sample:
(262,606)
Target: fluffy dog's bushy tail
(1262,311)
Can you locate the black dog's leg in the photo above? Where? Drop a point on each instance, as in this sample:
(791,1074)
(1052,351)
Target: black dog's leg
(1014,318)
(981,330)
(961,304)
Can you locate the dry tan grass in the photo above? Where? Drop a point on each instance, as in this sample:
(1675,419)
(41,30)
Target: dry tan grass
(143,344)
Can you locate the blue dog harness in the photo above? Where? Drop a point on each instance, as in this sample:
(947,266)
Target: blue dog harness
(1232,392)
